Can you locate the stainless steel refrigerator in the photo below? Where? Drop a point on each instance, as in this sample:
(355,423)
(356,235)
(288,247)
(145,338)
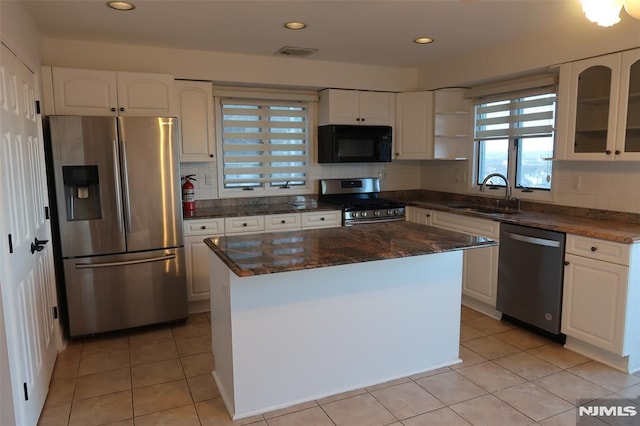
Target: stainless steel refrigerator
(118,210)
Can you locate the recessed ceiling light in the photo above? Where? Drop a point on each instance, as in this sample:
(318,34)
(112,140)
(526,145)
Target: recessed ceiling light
(423,40)
(293,25)
(120,5)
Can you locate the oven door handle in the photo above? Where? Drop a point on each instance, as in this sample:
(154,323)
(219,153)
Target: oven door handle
(349,222)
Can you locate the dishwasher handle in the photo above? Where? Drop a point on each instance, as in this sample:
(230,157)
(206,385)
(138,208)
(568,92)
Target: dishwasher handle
(534,240)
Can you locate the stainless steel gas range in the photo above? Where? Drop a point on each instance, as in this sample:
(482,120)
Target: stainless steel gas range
(360,201)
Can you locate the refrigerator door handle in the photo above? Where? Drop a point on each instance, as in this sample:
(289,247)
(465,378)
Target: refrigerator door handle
(125,262)
(125,175)
(118,186)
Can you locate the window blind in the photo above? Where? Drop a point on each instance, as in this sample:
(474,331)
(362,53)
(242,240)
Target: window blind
(515,117)
(264,143)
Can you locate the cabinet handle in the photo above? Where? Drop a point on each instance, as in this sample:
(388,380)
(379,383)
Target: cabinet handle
(203,227)
(566,263)
(245,224)
(608,152)
(211,155)
(428,215)
(618,152)
(283,221)
(322,218)
(362,119)
(122,109)
(358,119)
(113,109)
(594,248)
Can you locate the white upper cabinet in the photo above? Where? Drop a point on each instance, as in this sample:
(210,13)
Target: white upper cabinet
(84,92)
(195,105)
(414,126)
(94,92)
(355,107)
(599,108)
(145,94)
(433,125)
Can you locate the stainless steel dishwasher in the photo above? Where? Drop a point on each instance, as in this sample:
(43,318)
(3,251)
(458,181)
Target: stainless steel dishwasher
(530,273)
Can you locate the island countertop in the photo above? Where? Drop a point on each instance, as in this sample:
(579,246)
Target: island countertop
(273,252)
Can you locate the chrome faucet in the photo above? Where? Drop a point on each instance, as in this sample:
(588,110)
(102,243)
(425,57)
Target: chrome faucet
(507,195)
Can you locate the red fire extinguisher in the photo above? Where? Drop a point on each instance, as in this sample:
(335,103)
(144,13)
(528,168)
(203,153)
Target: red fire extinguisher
(188,193)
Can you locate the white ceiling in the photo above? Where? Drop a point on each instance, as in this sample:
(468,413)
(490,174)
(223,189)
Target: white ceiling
(378,32)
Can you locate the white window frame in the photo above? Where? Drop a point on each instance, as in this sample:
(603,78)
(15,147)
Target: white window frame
(474,184)
(306,99)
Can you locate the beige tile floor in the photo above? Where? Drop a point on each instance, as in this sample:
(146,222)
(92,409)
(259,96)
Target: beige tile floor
(161,376)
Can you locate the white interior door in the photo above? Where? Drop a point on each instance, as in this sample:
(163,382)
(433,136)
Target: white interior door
(27,276)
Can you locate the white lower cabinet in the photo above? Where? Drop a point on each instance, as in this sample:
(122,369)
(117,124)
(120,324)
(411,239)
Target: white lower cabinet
(282,222)
(197,252)
(197,255)
(243,224)
(480,266)
(418,215)
(322,219)
(595,297)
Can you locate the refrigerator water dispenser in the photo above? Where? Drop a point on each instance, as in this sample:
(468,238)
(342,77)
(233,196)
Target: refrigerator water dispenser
(82,192)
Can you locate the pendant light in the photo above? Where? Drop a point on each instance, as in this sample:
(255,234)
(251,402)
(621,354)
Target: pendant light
(607,12)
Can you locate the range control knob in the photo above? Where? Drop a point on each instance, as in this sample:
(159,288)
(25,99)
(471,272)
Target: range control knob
(389,212)
(376,213)
(355,214)
(364,214)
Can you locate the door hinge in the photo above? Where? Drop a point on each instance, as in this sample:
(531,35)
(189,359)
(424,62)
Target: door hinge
(37,107)
(55,312)
(46,213)
(26,392)
(10,245)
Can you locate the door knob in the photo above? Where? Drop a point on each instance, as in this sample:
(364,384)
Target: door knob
(38,245)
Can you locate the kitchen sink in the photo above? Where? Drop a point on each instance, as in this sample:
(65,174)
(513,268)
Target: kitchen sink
(482,209)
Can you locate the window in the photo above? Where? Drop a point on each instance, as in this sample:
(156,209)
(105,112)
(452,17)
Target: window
(514,136)
(264,145)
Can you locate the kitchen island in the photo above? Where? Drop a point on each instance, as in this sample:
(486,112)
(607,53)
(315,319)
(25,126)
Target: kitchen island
(301,315)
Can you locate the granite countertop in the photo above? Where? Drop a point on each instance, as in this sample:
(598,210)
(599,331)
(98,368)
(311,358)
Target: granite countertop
(267,253)
(257,209)
(613,228)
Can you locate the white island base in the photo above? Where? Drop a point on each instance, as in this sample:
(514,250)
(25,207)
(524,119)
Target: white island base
(285,338)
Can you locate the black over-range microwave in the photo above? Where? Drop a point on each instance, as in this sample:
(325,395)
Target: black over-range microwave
(343,143)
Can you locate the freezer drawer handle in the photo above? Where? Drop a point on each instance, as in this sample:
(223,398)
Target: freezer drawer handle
(125,262)
(533,240)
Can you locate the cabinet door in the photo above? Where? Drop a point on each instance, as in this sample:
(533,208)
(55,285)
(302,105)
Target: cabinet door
(480,274)
(628,135)
(339,107)
(197,265)
(195,104)
(243,224)
(321,219)
(282,222)
(593,108)
(84,92)
(593,302)
(418,215)
(414,126)
(141,94)
(376,108)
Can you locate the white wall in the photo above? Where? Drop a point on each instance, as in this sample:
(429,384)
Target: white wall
(17,32)
(521,56)
(226,67)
